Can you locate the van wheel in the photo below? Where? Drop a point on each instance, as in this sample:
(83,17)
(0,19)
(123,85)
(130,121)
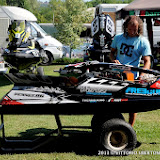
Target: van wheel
(118,137)
(47,59)
(40,71)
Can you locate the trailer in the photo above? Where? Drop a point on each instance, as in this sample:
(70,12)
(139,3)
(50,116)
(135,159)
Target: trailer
(104,90)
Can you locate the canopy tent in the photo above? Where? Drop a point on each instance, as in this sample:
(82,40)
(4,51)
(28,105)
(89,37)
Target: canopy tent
(144,8)
(147,9)
(143,4)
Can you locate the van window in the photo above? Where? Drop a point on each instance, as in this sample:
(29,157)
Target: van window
(38,27)
(33,32)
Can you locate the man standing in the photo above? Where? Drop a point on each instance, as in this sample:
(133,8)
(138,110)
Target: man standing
(129,47)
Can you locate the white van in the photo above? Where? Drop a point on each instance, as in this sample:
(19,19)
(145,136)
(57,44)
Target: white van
(53,48)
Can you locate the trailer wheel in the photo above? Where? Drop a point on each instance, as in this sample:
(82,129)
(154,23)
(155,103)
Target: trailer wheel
(99,119)
(118,137)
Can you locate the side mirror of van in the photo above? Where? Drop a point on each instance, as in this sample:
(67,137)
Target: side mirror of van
(39,34)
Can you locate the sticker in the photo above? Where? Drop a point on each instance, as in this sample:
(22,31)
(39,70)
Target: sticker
(99,93)
(156,85)
(93,100)
(120,67)
(142,91)
(117,100)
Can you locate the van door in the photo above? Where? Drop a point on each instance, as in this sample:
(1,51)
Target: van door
(4,23)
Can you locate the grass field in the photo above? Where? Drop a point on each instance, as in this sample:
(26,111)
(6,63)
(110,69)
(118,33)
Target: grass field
(76,145)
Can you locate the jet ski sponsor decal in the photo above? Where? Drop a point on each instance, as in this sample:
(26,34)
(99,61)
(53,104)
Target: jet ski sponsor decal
(100,85)
(120,67)
(93,100)
(142,91)
(156,85)
(29,95)
(40,89)
(15,94)
(118,100)
(91,89)
(99,93)
(9,101)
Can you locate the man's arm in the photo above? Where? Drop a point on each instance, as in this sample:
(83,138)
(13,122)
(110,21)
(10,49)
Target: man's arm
(147,63)
(112,56)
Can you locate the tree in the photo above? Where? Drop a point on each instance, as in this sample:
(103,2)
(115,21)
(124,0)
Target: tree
(44,14)
(69,16)
(2,2)
(31,5)
(19,3)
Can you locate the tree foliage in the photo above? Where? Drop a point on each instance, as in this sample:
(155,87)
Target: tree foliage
(69,16)
(3,2)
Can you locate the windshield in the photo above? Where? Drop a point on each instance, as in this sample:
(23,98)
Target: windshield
(39,28)
(18,26)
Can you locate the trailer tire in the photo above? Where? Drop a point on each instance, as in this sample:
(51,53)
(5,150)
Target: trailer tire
(118,137)
(99,119)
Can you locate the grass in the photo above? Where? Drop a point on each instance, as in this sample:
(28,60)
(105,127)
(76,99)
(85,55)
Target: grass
(75,145)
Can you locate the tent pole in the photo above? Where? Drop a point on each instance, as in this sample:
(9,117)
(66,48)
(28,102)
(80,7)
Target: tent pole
(150,31)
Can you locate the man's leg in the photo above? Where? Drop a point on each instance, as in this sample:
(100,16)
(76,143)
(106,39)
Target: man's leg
(132,118)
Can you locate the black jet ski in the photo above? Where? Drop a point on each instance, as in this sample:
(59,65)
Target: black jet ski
(103,89)
(92,82)
(21,53)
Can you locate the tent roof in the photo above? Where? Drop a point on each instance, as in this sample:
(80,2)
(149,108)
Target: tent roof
(143,8)
(143,5)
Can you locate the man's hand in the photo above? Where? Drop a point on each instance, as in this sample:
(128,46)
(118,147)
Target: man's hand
(116,61)
(147,64)
(112,56)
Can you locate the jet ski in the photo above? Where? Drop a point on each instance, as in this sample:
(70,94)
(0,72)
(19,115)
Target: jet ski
(22,58)
(104,90)
(93,82)
(21,53)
